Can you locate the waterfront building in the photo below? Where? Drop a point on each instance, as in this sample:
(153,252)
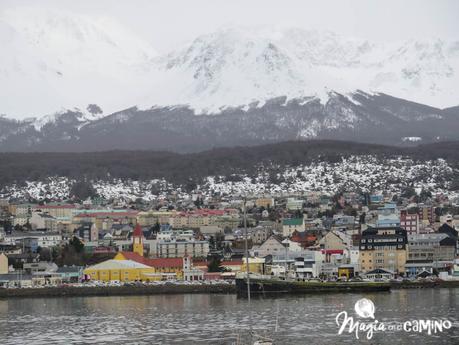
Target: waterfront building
(415,268)
(431,247)
(70,274)
(379,273)
(347,270)
(272,246)
(164,268)
(383,248)
(256,265)
(120,270)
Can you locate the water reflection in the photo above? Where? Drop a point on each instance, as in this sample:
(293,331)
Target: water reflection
(216,319)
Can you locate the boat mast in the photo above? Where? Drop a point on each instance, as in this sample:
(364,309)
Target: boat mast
(246,244)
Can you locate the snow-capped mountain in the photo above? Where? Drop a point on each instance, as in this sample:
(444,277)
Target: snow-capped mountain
(235,67)
(363,117)
(230,87)
(54,59)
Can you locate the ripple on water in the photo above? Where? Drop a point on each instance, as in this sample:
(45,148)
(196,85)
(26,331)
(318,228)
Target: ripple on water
(216,319)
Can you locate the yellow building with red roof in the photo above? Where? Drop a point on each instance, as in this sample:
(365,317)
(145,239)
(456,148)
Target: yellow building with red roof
(133,266)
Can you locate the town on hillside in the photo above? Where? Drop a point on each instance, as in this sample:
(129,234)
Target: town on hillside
(202,240)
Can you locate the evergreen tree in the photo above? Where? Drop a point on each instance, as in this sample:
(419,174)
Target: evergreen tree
(215,264)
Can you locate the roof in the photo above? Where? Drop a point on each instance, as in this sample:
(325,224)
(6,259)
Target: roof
(138,231)
(293,221)
(332,251)
(166,262)
(65,206)
(223,263)
(132,256)
(118,264)
(380,271)
(107,214)
(15,276)
(68,269)
(157,262)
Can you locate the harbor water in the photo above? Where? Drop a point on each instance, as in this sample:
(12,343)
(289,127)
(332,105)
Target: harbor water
(221,318)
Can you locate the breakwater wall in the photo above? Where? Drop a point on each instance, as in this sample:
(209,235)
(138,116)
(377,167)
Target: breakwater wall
(69,291)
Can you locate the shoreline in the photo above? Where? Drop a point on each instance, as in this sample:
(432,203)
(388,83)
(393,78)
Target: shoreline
(69,291)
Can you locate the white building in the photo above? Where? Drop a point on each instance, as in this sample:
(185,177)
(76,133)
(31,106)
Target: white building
(178,249)
(44,239)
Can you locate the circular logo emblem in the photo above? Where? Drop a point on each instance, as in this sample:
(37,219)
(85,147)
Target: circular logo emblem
(365,308)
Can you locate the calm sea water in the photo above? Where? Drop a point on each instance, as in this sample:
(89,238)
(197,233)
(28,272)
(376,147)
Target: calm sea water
(218,319)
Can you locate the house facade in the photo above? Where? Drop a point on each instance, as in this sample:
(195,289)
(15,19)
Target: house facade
(383,248)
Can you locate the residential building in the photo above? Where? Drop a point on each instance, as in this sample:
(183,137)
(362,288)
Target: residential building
(272,246)
(431,247)
(264,202)
(3,264)
(409,222)
(294,204)
(45,239)
(388,215)
(260,234)
(87,232)
(427,214)
(70,274)
(292,224)
(181,248)
(383,248)
(336,239)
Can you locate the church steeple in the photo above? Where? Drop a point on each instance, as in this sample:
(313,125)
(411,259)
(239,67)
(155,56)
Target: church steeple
(137,240)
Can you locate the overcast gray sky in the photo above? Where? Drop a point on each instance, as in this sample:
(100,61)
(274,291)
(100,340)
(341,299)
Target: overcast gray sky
(168,23)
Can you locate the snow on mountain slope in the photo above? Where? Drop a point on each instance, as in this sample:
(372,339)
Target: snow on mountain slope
(54,59)
(234,67)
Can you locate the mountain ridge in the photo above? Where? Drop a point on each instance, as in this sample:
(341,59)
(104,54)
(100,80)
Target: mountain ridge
(57,59)
(361,117)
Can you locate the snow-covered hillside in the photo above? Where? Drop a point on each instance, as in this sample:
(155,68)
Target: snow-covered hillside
(53,59)
(355,173)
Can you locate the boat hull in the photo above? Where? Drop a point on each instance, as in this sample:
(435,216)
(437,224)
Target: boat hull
(275,286)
